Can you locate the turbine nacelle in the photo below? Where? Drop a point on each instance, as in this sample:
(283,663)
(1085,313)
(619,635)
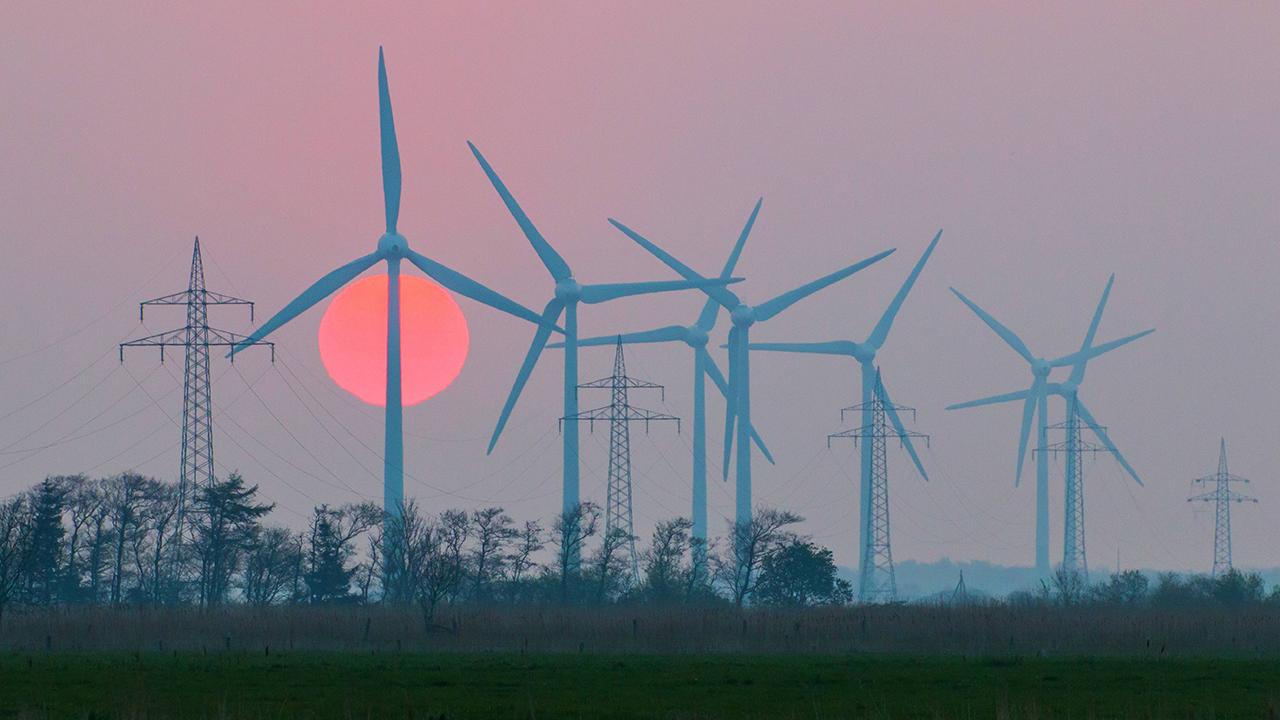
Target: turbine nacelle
(1040,368)
(393,245)
(695,337)
(568,290)
(743,315)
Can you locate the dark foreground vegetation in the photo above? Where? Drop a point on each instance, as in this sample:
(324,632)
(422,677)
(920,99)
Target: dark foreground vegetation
(489,686)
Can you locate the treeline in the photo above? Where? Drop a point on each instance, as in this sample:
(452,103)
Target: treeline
(1133,588)
(134,540)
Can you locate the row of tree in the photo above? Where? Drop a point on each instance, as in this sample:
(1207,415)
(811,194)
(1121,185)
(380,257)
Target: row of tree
(130,539)
(1169,590)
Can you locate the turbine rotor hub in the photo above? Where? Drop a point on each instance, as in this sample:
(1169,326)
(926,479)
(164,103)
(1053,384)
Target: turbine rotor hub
(864,354)
(743,316)
(568,290)
(393,245)
(1040,368)
(695,336)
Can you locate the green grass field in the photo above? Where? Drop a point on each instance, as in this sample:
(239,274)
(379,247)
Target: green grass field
(333,685)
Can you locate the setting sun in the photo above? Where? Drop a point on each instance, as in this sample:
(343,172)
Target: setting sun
(353,339)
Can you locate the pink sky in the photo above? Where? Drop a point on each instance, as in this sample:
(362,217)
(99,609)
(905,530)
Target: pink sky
(1055,145)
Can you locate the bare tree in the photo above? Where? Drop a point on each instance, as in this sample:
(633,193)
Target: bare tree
(520,561)
(83,501)
(610,565)
(569,534)
(738,569)
(666,567)
(270,565)
(126,495)
(15,547)
(455,529)
(493,531)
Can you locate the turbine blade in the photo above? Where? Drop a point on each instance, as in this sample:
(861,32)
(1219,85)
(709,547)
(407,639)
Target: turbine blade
(881,331)
(731,399)
(463,285)
(663,334)
(1005,333)
(992,400)
(1077,373)
(1101,433)
(714,373)
(318,291)
(390,149)
(1028,414)
(604,292)
(834,347)
(555,264)
(772,307)
(707,319)
(719,293)
(892,412)
(1080,358)
(548,318)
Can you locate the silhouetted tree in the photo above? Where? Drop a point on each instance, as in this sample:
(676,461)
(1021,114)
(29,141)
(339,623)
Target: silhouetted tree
(750,543)
(45,579)
(15,548)
(270,566)
(569,535)
(665,562)
(798,574)
(226,523)
(493,532)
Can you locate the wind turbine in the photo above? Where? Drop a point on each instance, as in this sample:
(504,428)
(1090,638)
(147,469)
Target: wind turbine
(392,247)
(864,353)
(695,336)
(1035,403)
(743,317)
(568,293)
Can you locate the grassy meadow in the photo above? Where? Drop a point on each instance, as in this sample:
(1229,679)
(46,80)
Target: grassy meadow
(486,685)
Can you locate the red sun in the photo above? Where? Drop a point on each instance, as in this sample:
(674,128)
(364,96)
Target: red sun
(433,339)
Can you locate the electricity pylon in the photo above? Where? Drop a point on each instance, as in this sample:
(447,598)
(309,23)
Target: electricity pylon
(1221,496)
(1073,447)
(876,582)
(196,469)
(620,414)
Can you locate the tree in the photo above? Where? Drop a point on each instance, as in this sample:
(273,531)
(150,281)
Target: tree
(520,562)
(666,569)
(738,569)
(800,574)
(493,532)
(569,534)
(83,501)
(328,579)
(455,528)
(125,495)
(1066,586)
(270,565)
(158,549)
(1122,588)
(15,547)
(227,523)
(45,579)
(610,565)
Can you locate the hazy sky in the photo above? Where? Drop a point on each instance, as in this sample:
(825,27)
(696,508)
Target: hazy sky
(1055,145)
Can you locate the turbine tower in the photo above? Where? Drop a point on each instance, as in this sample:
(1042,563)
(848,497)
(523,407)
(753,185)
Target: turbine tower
(196,469)
(392,247)
(1035,403)
(568,292)
(743,317)
(695,337)
(876,581)
(1221,496)
(864,353)
(1073,447)
(620,414)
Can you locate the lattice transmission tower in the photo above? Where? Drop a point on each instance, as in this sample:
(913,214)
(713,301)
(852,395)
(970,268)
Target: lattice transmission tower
(195,338)
(1221,496)
(1073,447)
(620,414)
(876,581)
